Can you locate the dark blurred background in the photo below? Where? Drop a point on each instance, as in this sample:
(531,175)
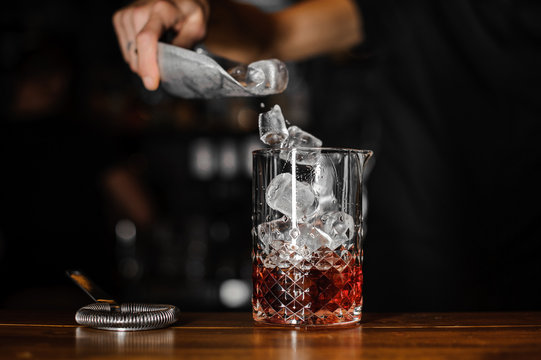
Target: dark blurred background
(148,194)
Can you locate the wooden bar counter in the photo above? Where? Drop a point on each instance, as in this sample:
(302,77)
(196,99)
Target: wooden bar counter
(49,335)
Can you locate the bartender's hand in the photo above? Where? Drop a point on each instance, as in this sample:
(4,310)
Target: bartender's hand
(139,25)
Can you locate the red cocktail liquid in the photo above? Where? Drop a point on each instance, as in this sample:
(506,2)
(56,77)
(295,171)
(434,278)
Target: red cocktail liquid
(323,291)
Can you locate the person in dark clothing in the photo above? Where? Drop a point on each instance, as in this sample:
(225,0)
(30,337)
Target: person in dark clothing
(452,99)
(456,91)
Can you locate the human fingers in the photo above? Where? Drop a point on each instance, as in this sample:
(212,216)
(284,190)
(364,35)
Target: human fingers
(120,31)
(163,15)
(193,27)
(127,22)
(131,32)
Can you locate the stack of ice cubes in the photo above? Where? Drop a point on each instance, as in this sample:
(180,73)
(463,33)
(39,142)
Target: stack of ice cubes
(316,221)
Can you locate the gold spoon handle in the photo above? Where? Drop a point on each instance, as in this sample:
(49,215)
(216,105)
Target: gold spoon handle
(91,289)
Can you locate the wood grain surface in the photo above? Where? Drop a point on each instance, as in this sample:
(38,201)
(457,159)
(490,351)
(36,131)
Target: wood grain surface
(49,335)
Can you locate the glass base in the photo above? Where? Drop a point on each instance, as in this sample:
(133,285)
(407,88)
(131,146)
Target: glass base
(322,318)
(324,292)
(306,325)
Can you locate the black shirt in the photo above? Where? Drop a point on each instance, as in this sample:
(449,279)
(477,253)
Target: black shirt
(454,90)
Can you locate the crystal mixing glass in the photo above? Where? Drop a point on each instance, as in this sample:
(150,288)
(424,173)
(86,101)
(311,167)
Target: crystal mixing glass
(307,236)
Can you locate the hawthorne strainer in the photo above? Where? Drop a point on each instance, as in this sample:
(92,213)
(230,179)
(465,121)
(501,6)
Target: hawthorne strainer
(107,314)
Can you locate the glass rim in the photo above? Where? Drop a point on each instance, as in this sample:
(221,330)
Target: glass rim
(267,151)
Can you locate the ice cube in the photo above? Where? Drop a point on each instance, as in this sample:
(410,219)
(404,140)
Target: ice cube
(321,176)
(247,76)
(272,126)
(255,76)
(299,138)
(279,196)
(266,77)
(274,230)
(289,246)
(280,238)
(327,203)
(285,254)
(338,225)
(313,238)
(324,175)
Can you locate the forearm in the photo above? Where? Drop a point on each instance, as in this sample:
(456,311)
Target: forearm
(239,32)
(307,29)
(316,27)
